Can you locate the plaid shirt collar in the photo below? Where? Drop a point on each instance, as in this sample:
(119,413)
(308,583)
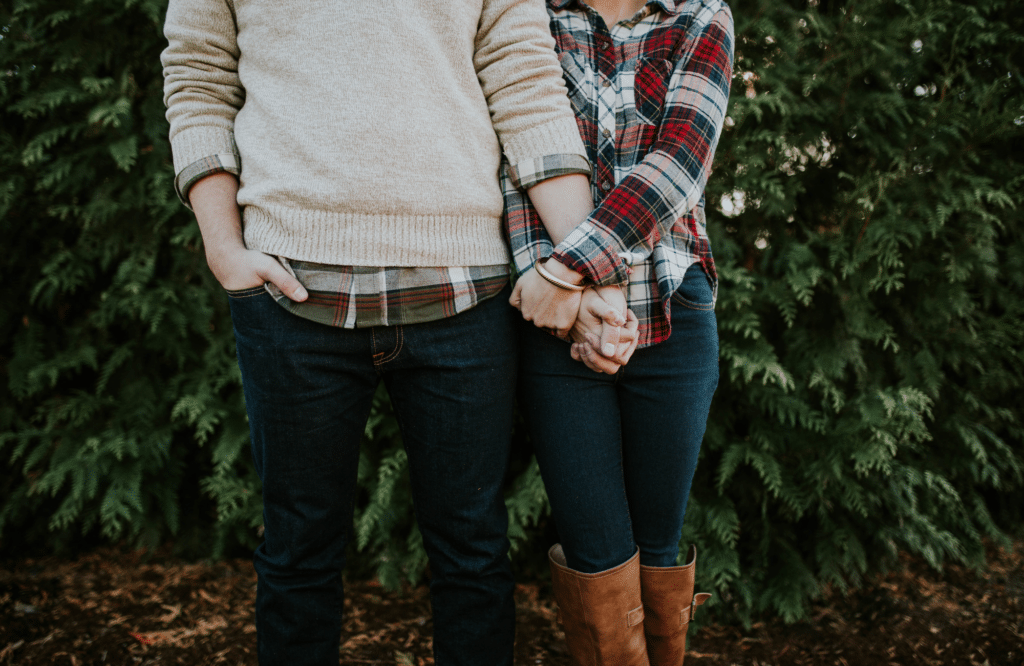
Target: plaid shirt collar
(670,7)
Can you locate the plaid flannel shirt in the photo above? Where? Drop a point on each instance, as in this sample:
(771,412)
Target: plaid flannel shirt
(650,97)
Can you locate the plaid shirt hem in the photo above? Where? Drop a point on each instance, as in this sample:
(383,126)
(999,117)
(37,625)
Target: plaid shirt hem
(364,296)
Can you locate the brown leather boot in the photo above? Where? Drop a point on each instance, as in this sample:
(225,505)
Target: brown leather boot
(669,605)
(601,613)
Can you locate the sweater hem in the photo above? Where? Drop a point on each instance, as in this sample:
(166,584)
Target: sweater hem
(361,239)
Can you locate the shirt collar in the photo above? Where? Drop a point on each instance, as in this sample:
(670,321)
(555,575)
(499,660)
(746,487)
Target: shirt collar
(668,6)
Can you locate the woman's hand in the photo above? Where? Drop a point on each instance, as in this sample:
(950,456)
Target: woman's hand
(547,305)
(603,338)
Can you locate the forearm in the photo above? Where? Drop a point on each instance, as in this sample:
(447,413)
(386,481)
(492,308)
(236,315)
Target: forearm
(214,200)
(562,203)
(668,183)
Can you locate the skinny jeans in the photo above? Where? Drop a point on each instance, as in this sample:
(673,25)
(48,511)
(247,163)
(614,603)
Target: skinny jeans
(618,452)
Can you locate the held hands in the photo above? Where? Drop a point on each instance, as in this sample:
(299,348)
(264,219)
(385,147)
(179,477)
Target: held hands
(546,305)
(603,330)
(604,339)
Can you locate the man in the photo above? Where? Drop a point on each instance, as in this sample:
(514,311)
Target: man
(342,161)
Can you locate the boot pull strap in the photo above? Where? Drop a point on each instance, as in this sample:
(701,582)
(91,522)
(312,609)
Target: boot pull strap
(698,600)
(635,616)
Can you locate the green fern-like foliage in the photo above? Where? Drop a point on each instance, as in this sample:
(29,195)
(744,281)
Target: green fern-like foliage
(865,217)
(869,182)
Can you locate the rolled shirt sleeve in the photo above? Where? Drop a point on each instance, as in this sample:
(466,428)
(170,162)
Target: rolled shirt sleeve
(206,166)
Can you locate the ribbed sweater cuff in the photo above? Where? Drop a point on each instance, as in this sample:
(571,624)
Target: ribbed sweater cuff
(558,137)
(196,143)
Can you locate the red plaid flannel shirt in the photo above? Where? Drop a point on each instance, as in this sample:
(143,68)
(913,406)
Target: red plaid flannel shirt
(650,98)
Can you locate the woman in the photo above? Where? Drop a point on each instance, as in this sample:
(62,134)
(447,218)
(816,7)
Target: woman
(617,432)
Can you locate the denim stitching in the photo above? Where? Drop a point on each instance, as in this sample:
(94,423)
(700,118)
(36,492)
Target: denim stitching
(399,343)
(382,357)
(373,346)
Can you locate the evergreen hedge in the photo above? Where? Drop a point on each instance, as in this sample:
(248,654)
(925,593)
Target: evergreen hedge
(864,214)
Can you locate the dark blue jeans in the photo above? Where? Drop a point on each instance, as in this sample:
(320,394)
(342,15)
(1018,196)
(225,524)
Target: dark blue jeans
(618,453)
(308,391)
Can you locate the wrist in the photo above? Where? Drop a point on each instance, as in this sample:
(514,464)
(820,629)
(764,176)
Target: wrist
(565,285)
(218,251)
(561,271)
(224,258)
(613,291)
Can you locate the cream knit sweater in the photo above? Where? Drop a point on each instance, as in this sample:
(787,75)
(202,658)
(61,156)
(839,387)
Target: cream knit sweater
(367,132)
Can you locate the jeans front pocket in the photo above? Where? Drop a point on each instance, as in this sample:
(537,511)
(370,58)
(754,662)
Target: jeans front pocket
(695,292)
(252,309)
(248,292)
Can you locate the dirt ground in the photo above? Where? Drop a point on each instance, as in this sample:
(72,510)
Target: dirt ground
(116,607)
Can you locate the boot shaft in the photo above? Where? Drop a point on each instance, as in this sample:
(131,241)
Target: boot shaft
(601,613)
(669,605)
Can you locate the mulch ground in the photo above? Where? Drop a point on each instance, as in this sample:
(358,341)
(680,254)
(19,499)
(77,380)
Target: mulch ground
(116,607)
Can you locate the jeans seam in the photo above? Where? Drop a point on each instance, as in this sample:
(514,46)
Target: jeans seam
(625,493)
(399,343)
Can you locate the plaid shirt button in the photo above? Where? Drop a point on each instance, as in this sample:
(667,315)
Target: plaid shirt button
(606,186)
(606,132)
